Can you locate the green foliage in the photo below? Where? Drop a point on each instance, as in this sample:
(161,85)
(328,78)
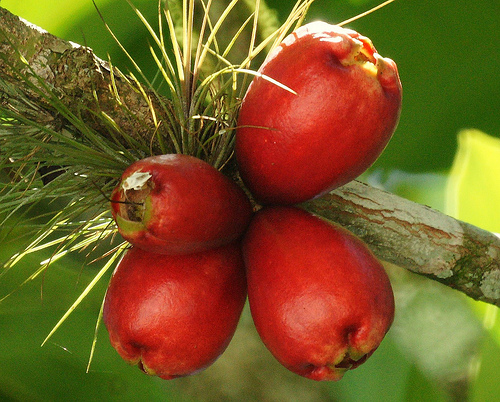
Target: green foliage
(57,371)
(473,196)
(473,193)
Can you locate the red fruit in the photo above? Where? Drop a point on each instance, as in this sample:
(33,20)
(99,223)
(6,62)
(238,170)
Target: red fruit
(294,147)
(174,315)
(320,300)
(178,204)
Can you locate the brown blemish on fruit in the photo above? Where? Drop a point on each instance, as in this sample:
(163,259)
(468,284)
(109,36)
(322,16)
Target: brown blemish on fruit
(133,207)
(363,54)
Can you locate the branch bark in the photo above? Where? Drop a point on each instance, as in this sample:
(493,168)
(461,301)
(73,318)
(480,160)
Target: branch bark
(83,83)
(399,231)
(418,238)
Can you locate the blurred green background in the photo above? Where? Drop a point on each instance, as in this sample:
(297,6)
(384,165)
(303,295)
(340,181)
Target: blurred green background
(442,346)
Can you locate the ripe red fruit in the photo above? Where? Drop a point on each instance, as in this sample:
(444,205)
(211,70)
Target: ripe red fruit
(178,204)
(174,315)
(320,300)
(294,147)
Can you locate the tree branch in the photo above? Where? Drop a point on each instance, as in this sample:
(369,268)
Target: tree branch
(418,238)
(399,231)
(83,83)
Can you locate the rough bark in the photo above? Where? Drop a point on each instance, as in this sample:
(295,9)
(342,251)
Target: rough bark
(401,232)
(418,238)
(84,84)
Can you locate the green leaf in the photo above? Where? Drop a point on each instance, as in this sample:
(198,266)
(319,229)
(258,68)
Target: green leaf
(473,193)
(54,19)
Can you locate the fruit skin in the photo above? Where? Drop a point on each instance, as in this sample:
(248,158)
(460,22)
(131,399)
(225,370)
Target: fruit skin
(294,147)
(174,315)
(185,206)
(320,300)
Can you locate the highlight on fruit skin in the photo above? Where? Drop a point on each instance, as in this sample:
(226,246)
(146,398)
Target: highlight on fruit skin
(175,315)
(340,110)
(320,300)
(178,204)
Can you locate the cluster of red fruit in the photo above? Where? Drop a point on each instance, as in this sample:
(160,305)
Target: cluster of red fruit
(320,300)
